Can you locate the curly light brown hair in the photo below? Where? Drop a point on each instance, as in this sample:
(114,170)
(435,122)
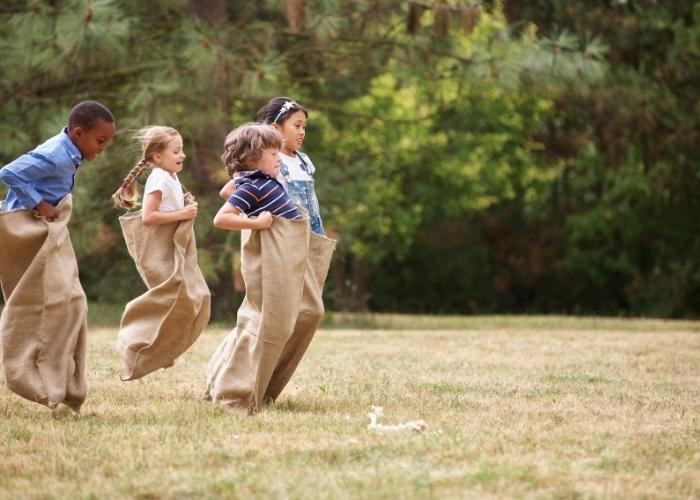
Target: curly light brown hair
(246,143)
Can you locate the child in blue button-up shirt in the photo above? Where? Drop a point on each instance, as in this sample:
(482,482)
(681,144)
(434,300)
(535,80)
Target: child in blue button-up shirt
(44,322)
(39,179)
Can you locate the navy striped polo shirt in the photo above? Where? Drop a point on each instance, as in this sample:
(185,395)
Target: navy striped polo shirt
(258,192)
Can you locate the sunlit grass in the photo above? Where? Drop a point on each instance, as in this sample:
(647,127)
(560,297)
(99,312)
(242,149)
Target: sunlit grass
(537,406)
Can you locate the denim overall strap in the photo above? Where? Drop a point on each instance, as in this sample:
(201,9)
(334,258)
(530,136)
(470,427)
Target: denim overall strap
(304,166)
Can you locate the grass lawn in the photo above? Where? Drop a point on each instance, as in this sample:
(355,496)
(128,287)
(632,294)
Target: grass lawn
(515,407)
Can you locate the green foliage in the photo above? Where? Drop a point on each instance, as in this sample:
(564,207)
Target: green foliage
(628,149)
(544,162)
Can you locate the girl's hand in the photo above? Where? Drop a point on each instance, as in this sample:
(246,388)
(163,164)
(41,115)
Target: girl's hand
(189,198)
(189,212)
(264,220)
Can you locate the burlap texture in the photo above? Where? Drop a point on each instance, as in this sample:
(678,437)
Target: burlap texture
(44,322)
(284,269)
(167,319)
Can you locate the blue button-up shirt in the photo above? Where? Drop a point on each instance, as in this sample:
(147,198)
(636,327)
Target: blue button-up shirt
(45,173)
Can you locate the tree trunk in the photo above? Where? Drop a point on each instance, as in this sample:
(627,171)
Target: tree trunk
(206,162)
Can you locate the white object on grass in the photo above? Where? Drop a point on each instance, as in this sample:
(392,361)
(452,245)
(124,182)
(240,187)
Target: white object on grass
(378,411)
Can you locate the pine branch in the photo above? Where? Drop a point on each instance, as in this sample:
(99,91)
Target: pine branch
(395,43)
(88,77)
(335,110)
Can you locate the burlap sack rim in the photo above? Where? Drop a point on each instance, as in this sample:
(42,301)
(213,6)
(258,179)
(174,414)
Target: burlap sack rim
(66,199)
(303,221)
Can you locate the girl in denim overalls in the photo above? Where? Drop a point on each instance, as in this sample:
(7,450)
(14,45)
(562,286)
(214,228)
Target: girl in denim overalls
(296,169)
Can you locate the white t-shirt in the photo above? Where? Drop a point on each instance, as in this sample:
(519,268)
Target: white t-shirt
(170,188)
(296,172)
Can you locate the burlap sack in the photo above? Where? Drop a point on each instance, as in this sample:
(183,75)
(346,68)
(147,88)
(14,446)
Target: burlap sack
(284,269)
(165,321)
(44,322)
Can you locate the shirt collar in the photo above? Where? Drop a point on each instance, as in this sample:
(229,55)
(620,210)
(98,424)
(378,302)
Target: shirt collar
(250,175)
(243,173)
(72,149)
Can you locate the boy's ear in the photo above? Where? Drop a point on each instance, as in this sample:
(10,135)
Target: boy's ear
(76,132)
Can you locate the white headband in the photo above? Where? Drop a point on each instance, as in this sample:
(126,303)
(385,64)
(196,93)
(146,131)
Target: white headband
(285,107)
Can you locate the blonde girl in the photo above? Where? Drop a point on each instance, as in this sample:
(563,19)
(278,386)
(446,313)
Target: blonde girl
(164,201)
(163,322)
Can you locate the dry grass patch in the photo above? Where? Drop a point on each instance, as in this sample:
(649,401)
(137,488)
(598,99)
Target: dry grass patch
(515,407)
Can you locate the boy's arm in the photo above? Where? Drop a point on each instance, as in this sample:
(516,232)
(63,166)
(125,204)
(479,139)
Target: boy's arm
(22,175)
(230,217)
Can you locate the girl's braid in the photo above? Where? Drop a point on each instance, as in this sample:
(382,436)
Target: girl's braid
(127,195)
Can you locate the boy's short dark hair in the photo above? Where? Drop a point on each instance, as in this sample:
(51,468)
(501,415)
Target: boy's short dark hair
(86,113)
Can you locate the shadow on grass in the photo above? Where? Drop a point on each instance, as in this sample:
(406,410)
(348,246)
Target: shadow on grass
(101,314)
(292,404)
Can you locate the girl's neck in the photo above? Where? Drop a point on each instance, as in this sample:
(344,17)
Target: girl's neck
(287,152)
(171,174)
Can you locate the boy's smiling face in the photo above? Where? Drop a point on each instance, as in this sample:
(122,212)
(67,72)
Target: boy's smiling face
(93,141)
(269,162)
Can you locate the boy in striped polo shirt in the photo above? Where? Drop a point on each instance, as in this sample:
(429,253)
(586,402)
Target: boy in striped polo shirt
(251,156)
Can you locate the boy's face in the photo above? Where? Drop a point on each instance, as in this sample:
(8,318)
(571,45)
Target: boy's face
(94,141)
(269,162)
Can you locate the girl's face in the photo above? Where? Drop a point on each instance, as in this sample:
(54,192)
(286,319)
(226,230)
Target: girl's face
(172,157)
(293,130)
(269,162)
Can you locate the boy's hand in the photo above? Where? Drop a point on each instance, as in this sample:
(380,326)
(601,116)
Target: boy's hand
(189,212)
(46,210)
(189,198)
(264,220)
